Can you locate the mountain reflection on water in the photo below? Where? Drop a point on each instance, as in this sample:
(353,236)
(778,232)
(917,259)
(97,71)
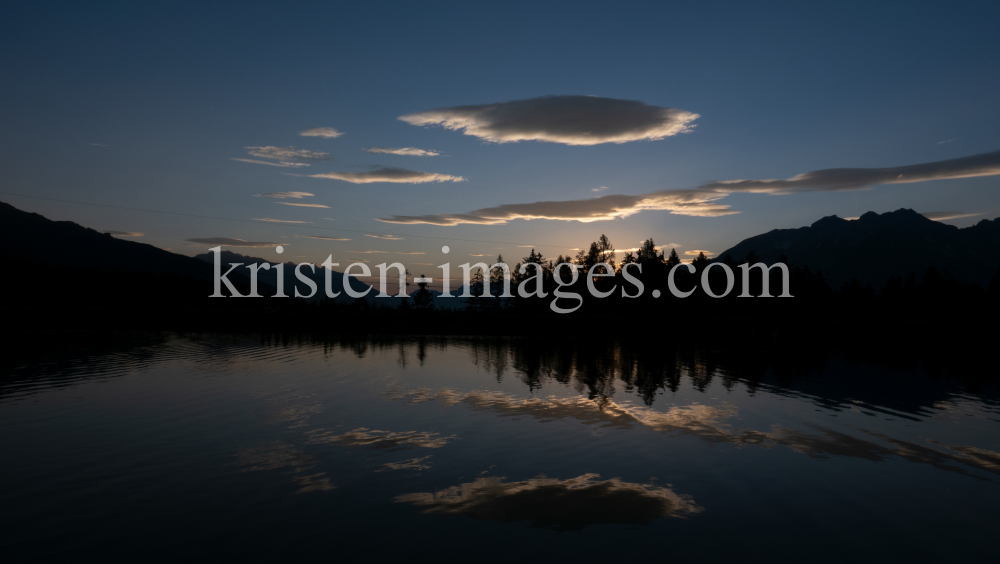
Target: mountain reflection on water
(224,440)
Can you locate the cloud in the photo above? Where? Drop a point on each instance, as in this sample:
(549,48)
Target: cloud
(287,154)
(123,233)
(278,220)
(477,255)
(389,174)
(601,189)
(97,144)
(682,202)
(370,252)
(702,201)
(302,205)
(946,215)
(571,120)
(325,132)
(570,504)
(695,253)
(227,242)
(408,151)
(285,194)
(387,237)
(947,141)
(411,253)
(324,238)
(836,179)
(271,164)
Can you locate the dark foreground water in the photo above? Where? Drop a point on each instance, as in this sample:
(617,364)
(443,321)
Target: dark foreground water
(207,447)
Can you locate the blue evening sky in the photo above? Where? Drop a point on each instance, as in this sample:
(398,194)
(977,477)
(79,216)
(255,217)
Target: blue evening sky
(144,105)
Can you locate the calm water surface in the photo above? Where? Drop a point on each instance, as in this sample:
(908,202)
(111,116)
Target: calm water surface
(210,447)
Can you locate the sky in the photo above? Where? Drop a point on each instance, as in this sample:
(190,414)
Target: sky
(419,125)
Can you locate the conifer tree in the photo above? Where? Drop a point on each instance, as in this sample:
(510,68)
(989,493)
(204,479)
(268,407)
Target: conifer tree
(673,260)
(700,262)
(647,251)
(423,299)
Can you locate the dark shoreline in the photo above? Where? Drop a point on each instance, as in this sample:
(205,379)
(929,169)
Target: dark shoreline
(848,332)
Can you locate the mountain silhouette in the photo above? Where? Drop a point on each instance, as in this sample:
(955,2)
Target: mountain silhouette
(871,249)
(875,247)
(30,236)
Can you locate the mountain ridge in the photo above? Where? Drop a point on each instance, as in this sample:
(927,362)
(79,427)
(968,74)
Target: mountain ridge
(875,247)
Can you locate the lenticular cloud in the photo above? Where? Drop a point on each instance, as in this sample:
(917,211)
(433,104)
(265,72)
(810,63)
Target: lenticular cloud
(837,179)
(571,120)
(702,201)
(389,174)
(682,202)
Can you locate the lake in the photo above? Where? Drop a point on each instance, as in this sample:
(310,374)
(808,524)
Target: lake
(166,446)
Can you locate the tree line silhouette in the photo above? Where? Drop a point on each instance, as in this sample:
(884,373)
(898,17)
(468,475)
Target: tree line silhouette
(49,296)
(932,293)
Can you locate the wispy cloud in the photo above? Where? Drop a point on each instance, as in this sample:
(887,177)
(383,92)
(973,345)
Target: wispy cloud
(683,202)
(601,189)
(324,238)
(697,252)
(411,253)
(370,252)
(286,195)
(703,201)
(302,205)
(389,174)
(289,157)
(571,120)
(835,179)
(254,161)
(387,237)
(279,220)
(97,144)
(227,242)
(947,141)
(124,233)
(290,154)
(946,215)
(325,132)
(407,151)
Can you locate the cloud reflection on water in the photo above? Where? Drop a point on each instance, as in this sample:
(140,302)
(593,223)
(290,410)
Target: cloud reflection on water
(570,504)
(276,455)
(380,439)
(708,423)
